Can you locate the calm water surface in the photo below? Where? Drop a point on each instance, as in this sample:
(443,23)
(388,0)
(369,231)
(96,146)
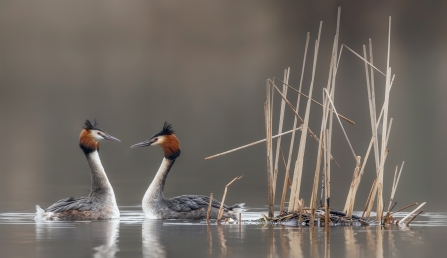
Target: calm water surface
(134,236)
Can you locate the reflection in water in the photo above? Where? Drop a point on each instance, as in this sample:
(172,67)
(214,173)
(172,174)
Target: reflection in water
(284,249)
(373,241)
(313,242)
(290,242)
(177,238)
(152,246)
(271,241)
(379,242)
(110,235)
(327,242)
(71,236)
(209,238)
(391,246)
(351,245)
(222,241)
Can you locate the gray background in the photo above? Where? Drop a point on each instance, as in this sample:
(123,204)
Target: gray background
(202,66)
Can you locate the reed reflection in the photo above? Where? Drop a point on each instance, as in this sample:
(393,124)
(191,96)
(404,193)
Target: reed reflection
(209,238)
(294,239)
(271,241)
(314,252)
(152,246)
(379,242)
(347,241)
(351,246)
(222,241)
(327,241)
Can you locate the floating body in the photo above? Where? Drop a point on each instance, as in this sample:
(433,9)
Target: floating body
(156,206)
(101,203)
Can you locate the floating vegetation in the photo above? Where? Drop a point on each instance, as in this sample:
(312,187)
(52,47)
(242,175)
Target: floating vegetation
(296,213)
(335,218)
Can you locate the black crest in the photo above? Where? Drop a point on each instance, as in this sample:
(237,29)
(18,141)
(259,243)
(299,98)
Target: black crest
(89,126)
(167,130)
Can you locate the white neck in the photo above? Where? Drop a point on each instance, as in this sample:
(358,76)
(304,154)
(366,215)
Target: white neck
(155,191)
(100,183)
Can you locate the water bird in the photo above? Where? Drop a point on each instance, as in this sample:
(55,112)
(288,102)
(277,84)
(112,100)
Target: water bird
(100,203)
(156,206)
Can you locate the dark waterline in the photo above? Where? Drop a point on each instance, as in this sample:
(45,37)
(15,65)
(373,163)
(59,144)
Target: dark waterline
(134,236)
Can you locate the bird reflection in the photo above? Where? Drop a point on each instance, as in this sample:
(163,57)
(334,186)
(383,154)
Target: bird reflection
(77,234)
(152,246)
(109,231)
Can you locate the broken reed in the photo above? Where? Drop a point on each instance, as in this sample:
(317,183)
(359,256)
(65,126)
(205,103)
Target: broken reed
(219,217)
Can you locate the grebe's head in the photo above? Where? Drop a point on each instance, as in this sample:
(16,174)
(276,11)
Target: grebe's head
(90,136)
(166,139)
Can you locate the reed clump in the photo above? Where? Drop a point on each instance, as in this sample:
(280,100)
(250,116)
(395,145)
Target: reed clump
(318,213)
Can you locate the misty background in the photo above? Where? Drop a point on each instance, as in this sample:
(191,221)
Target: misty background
(202,66)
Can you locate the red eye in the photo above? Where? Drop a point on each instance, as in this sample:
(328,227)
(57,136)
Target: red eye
(98,133)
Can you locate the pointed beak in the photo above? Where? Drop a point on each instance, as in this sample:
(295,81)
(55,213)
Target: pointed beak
(111,138)
(142,144)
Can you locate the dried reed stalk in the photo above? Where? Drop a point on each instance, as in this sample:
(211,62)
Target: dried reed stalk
(379,185)
(329,132)
(313,135)
(224,195)
(343,129)
(370,201)
(406,207)
(209,208)
(314,101)
(292,140)
(382,165)
(359,178)
(294,195)
(369,197)
(373,109)
(364,59)
(284,189)
(268,129)
(387,216)
(384,130)
(327,141)
(371,101)
(281,122)
(408,223)
(349,205)
(322,137)
(326,188)
(411,213)
(251,144)
(395,182)
(300,217)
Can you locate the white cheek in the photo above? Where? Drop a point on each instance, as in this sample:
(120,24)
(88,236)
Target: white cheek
(96,135)
(160,141)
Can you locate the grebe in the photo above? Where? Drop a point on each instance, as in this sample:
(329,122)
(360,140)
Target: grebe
(156,206)
(101,203)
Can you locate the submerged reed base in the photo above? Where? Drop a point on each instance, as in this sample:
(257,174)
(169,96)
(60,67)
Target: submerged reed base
(336,218)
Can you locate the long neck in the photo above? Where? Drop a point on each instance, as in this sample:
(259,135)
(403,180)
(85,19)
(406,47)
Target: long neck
(155,190)
(100,183)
